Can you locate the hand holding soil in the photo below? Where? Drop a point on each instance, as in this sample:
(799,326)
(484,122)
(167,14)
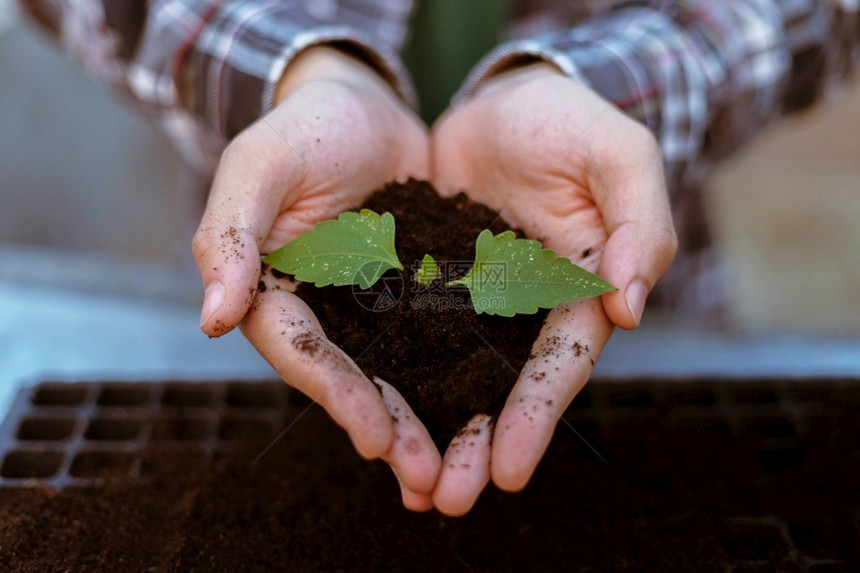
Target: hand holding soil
(553,158)
(337,133)
(562,164)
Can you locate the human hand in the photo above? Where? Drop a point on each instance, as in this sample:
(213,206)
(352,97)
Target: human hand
(561,163)
(337,133)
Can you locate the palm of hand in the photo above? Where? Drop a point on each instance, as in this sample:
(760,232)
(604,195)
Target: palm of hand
(322,150)
(520,149)
(561,171)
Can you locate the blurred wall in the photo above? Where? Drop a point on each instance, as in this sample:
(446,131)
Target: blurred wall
(787,210)
(79,168)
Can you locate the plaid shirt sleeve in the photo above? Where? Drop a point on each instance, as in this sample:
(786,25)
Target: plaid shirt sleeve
(206,69)
(702,75)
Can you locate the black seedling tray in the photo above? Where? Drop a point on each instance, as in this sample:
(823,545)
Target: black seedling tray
(779,412)
(790,503)
(80,434)
(60,434)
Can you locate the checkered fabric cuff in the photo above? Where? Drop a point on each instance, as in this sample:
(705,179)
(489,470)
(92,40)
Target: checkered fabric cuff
(242,52)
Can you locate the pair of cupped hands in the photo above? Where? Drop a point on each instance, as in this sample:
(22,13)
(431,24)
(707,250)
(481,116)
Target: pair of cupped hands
(550,155)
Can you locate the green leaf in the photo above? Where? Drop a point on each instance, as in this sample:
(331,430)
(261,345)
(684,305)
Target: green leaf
(357,248)
(428,272)
(516,276)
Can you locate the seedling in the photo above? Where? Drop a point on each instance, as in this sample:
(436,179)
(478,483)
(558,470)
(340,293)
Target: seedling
(358,248)
(525,275)
(428,272)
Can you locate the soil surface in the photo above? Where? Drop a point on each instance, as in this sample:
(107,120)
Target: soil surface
(448,361)
(693,498)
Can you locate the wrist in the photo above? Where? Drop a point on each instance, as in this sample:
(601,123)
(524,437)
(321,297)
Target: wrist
(514,75)
(326,62)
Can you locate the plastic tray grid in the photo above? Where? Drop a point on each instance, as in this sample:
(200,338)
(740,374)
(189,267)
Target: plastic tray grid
(779,412)
(79,434)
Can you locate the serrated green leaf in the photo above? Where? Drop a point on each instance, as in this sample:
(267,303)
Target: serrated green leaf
(356,248)
(517,276)
(428,272)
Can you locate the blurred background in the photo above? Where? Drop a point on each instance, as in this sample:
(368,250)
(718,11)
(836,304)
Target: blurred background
(80,170)
(97,213)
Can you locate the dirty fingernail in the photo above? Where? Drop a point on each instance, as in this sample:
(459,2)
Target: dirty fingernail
(636,294)
(212,298)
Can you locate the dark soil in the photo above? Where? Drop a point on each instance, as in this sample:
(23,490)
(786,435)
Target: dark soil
(669,499)
(448,361)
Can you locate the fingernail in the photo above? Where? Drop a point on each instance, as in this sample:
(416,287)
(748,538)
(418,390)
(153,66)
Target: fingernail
(212,299)
(636,294)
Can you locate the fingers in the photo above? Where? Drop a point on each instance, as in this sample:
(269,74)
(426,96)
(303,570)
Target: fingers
(412,500)
(413,455)
(378,420)
(242,204)
(561,362)
(229,264)
(465,468)
(286,333)
(630,191)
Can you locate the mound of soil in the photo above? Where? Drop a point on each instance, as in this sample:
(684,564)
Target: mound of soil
(448,361)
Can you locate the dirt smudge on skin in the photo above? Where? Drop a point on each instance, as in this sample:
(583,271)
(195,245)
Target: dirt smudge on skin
(232,244)
(411,447)
(549,347)
(308,343)
(219,328)
(537,376)
(313,345)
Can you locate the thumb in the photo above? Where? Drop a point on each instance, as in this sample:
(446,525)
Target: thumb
(633,259)
(239,215)
(228,259)
(634,204)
